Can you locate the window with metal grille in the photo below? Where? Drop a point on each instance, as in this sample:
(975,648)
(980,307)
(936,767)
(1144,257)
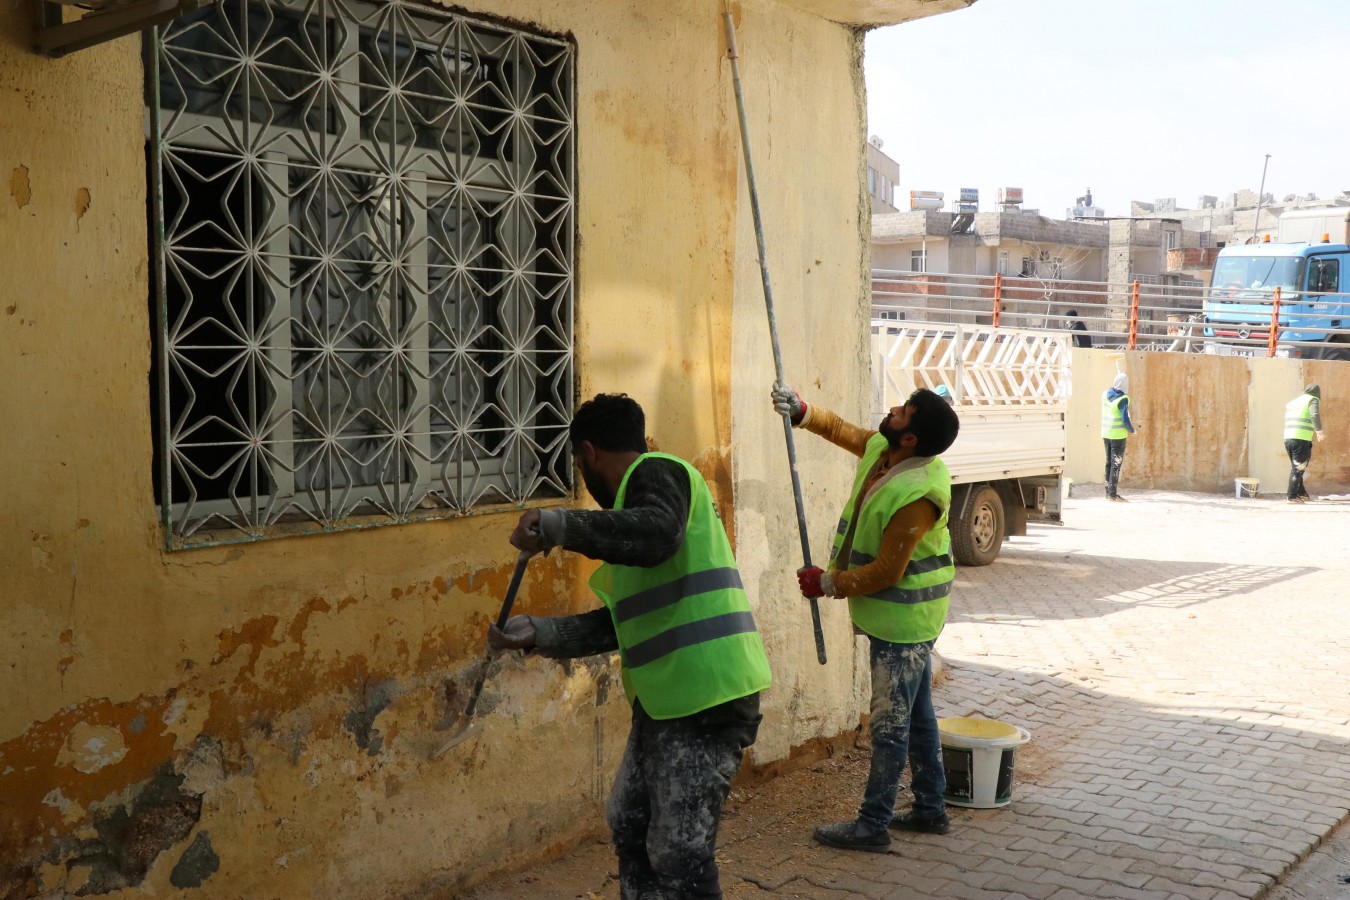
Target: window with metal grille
(363,223)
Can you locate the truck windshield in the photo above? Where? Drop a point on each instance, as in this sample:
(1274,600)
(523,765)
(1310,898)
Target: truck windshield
(1257,273)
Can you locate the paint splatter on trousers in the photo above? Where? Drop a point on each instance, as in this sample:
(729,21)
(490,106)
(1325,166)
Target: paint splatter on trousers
(1115,458)
(1300,455)
(668,795)
(904,727)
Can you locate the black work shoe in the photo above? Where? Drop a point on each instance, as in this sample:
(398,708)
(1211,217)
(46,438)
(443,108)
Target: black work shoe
(908,821)
(854,836)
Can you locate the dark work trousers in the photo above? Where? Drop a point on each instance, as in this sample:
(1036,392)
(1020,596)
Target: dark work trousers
(1300,454)
(1115,458)
(668,796)
(904,726)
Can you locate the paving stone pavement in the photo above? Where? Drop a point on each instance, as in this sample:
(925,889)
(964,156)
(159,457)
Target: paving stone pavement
(1181,663)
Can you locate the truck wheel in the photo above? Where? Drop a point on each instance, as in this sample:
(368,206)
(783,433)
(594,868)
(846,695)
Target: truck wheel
(978,536)
(1336,353)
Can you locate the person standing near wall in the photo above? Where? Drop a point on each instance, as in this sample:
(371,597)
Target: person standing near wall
(1079,331)
(892,560)
(1302,421)
(1116,427)
(692,662)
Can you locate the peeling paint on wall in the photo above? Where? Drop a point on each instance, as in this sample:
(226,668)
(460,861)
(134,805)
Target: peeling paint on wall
(82,201)
(19,188)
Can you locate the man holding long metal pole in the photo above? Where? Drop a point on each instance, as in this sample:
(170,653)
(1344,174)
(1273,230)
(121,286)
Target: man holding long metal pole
(892,560)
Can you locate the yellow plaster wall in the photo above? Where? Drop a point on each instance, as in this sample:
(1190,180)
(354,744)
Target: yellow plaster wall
(1205,420)
(285,694)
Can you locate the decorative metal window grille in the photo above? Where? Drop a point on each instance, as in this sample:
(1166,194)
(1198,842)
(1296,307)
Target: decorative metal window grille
(363,219)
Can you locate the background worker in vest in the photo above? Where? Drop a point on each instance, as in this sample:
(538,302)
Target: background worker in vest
(1116,427)
(1302,421)
(892,560)
(692,662)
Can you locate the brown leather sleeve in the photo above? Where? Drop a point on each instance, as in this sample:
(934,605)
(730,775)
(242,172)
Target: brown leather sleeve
(828,424)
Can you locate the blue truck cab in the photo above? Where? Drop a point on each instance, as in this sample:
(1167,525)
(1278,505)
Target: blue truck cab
(1238,305)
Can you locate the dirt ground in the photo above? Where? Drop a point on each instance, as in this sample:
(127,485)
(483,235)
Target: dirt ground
(766,821)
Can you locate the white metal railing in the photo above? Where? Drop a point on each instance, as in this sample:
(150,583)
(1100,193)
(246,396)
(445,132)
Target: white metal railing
(981,366)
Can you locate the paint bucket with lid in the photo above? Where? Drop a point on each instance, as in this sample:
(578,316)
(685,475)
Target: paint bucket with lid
(977,755)
(1246,488)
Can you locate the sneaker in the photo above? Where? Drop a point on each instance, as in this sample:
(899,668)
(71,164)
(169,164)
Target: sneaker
(908,821)
(1117,499)
(854,836)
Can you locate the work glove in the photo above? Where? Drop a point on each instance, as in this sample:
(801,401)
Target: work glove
(517,635)
(1321,436)
(529,535)
(809,579)
(787,402)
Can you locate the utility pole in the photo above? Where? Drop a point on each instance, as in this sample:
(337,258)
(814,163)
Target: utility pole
(1260,197)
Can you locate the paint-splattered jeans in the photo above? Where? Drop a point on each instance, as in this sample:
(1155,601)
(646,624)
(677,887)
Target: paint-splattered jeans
(1115,458)
(1300,454)
(903,725)
(668,796)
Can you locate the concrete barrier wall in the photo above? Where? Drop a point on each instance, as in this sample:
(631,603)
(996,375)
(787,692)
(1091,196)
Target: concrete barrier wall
(1205,420)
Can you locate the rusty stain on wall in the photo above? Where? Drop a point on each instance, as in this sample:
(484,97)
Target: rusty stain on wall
(82,201)
(19,187)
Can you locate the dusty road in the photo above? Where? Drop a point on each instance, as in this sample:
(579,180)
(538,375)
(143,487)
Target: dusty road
(1183,664)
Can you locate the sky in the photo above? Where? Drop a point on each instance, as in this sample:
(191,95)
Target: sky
(1136,99)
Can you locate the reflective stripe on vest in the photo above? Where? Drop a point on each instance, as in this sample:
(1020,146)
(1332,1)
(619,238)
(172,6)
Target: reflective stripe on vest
(1113,421)
(915,567)
(664,595)
(1298,423)
(914,609)
(682,636)
(687,638)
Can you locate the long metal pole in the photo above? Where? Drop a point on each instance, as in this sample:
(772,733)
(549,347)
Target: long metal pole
(773,323)
(1260,196)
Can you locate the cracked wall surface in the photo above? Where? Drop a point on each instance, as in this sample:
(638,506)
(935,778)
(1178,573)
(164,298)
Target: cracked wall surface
(257,720)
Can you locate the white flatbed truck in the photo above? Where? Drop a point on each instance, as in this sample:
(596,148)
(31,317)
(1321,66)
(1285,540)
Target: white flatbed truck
(1011,390)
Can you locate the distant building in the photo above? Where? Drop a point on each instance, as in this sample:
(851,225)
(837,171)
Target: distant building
(883,173)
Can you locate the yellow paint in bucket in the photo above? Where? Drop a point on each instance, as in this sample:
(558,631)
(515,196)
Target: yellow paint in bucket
(977,755)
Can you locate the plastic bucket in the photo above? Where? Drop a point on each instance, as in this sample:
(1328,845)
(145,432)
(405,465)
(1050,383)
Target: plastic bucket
(977,755)
(1246,487)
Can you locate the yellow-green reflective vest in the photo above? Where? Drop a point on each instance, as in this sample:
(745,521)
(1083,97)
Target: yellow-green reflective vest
(914,609)
(1113,422)
(1298,423)
(687,639)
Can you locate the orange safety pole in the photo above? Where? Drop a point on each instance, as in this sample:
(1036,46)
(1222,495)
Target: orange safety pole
(1274,324)
(1134,313)
(998,296)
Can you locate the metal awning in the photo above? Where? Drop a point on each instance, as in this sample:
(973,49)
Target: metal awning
(64,26)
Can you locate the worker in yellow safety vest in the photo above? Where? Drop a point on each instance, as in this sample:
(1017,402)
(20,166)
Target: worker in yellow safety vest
(1116,427)
(690,656)
(892,559)
(1302,422)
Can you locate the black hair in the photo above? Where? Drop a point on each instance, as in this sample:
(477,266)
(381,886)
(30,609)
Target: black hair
(932,422)
(1072,312)
(612,422)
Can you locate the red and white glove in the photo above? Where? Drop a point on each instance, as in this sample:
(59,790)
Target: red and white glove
(814,582)
(787,402)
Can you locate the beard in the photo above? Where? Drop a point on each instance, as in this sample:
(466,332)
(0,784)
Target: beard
(891,434)
(596,487)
